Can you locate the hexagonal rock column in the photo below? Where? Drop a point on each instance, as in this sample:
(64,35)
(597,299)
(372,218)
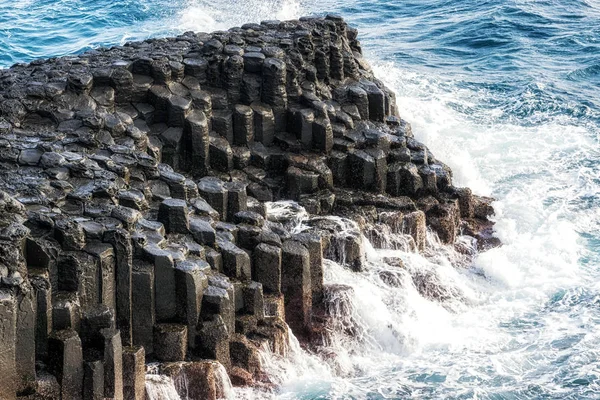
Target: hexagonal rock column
(93,321)
(25,340)
(43,325)
(196,67)
(243,125)
(214,192)
(322,135)
(236,262)
(202,231)
(347,248)
(264,124)
(69,234)
(8,321)
(190,282)
(403,179)
(173,213)
(237,198)
(216,301)
(296,286)
(121,241)
(314,244)
(233,71)
(274,92)
(104,257)
(65,361)
(221,155)
(159,97)
(253,300)
(143,303)
(267,267)
(93,380)
(303,123)
(164,283)
(113,364)
(170,342)
(134,371)
(361,169)
(377,103)
(196,141)
(178,109)
(300,182)
(66,312)
(244,354)
(213,341)
(368,170)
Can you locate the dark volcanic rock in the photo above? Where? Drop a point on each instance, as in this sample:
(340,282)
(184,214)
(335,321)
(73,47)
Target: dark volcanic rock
(134,184)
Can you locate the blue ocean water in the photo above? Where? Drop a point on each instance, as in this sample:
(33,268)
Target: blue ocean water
(507,93)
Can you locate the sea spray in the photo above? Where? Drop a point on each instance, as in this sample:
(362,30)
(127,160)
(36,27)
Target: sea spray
(289,213)
(204,16)
(376,315)
(405,305)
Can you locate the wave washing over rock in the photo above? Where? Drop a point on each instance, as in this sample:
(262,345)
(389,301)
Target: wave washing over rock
(146,250)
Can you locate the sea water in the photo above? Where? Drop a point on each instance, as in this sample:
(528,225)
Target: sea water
(507,93)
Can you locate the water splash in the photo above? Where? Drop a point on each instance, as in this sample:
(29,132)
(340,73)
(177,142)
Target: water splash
(431,324)
(163,387)
(160,387)
(209,15)
(288,213)
(390,309)
(223,383)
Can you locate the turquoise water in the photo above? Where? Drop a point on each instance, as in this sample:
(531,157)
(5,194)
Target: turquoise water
(507,93)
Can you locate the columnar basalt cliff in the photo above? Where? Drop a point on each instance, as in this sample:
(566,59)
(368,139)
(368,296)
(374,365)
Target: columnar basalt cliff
(135,181)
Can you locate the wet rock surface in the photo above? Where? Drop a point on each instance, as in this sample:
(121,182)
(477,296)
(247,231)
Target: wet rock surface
(132,189)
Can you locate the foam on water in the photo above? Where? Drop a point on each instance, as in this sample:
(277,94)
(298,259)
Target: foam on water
(476,331)
(206,16)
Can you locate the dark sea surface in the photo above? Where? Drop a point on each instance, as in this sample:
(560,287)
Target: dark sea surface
(505,92)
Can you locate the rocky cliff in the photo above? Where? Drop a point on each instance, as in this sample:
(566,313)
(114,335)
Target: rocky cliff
(135,185)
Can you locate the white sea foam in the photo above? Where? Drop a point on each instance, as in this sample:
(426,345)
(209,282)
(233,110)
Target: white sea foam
(210,15)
